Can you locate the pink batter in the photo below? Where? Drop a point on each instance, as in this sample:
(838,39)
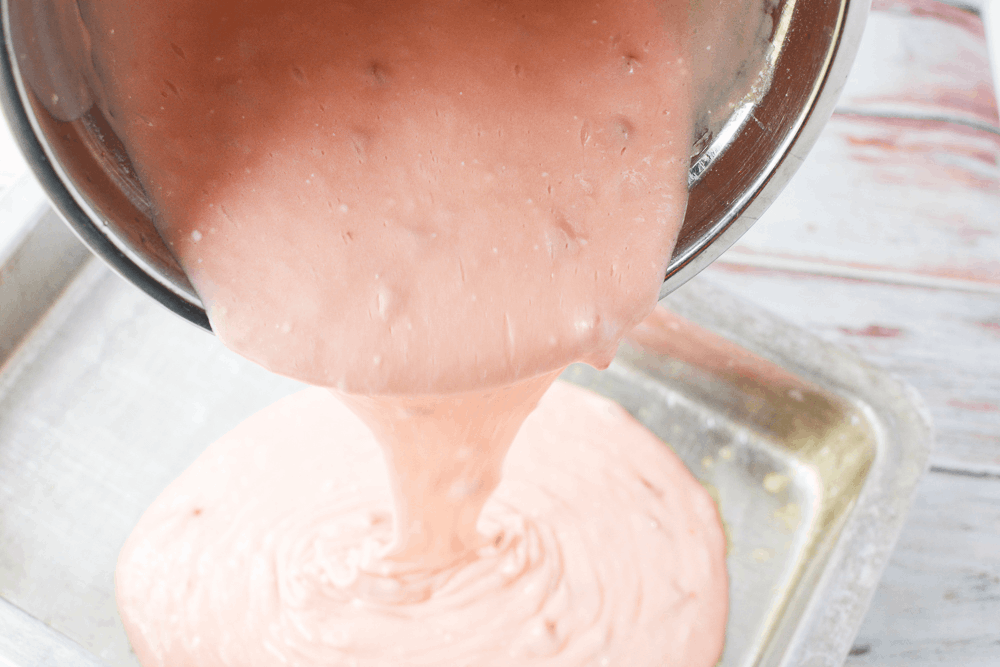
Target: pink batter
(409,196)
(432,208)
(598,548)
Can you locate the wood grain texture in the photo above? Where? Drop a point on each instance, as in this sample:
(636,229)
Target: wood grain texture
(923,58)
(920,197)
(939,600)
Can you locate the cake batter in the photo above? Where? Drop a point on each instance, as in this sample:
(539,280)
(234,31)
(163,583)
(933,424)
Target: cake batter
(597,548)
(430,208)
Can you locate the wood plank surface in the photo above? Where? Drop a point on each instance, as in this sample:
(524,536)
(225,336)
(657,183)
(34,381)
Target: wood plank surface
(904,196)
(939,600)
(923,58)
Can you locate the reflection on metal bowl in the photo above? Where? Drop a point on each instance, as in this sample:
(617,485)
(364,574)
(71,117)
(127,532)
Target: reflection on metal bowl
(784,68)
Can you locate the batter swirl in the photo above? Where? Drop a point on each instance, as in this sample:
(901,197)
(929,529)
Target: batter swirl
(597,548)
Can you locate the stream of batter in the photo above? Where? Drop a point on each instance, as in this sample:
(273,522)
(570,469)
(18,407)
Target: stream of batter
(429,208)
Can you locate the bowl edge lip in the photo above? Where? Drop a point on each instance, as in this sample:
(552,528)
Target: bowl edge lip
(812,119)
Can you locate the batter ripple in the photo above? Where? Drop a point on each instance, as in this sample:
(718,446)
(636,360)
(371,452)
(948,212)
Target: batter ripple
(268,551)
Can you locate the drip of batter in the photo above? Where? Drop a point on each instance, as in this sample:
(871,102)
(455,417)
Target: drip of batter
(430,207)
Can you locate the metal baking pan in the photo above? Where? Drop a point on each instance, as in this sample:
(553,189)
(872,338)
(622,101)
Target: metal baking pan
(105,397)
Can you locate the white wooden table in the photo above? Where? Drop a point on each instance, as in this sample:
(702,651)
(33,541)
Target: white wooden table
(888,242)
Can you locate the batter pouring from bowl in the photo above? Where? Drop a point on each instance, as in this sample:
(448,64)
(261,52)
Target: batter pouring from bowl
(430,208)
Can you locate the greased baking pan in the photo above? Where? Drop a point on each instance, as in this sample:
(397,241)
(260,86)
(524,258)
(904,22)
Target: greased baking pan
(105,397)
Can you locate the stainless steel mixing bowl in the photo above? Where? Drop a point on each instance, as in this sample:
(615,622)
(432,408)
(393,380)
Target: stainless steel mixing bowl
(749,141)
